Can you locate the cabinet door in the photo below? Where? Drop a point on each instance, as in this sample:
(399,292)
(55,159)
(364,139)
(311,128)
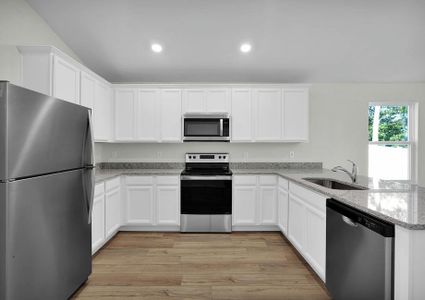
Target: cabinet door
(297,223)
(66,80)
(315,246)
(125,100)
(103,118)
(168,205)
(268,117)
(87,93)
(217,100)
(295,114)
(171,115)
(268,204)
(140,204)
(147,115)
(98,221)
(241,115)
(194,100)
(283,210)
(112,211)
(244,205)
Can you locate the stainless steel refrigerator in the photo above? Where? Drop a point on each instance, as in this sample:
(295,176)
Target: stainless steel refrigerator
(46,194)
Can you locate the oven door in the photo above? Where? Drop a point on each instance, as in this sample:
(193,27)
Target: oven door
(206,129)
(206,195)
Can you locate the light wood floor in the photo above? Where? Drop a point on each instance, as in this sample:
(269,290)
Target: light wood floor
(200,266)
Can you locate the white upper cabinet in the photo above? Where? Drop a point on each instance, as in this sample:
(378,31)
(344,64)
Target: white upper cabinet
(48,70)
(206,100)
(103,115)
(217,100)
(194,100)
(66,80)
(170,115)
(268,114)
(87,90)
(125,101)
(241,118)
(295,114)
(147,115)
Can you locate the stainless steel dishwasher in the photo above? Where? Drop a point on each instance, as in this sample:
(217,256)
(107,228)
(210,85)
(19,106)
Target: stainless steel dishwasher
(359,254)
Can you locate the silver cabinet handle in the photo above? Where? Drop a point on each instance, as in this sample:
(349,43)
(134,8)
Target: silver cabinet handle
(350,222)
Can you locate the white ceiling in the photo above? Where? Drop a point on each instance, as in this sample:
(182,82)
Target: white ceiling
(293,40)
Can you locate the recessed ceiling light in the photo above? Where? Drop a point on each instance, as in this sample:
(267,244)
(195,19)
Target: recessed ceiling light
(245,48)
(157,48)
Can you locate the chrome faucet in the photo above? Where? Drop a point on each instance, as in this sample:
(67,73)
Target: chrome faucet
(352,174)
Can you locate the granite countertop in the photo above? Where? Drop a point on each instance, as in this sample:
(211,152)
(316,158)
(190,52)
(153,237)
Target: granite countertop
(397,202)
(105,174)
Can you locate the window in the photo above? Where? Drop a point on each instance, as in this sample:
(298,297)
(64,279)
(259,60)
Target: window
(392,141)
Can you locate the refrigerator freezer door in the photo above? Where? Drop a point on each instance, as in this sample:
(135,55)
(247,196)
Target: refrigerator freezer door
(48,246)
(40,134)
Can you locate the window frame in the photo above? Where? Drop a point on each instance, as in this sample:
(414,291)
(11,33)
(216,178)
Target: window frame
(412,136)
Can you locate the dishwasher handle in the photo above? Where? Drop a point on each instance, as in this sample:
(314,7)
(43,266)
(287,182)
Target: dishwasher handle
(350,222)
(355,217)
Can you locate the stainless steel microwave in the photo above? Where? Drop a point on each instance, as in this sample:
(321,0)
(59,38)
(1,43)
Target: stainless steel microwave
(203,127)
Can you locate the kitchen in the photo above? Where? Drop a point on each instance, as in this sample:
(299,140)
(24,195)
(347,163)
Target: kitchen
(291,103)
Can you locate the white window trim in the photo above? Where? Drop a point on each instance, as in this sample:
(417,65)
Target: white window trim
(413,135)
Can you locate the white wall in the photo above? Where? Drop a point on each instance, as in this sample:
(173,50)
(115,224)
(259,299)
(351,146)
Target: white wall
(338,131)
(21,25)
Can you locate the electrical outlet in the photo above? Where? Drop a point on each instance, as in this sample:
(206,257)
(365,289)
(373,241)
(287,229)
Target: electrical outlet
(159,154)
(291,154)
(245,156)
(114,154)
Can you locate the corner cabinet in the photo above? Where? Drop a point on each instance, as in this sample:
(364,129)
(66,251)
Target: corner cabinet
(47,70)
(254,202)
(307,226)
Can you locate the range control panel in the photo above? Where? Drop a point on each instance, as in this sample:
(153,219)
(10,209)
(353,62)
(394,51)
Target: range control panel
(207,157)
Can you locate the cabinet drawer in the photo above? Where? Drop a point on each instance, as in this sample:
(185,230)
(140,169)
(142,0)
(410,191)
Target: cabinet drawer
(268,179)
(313,199)
(135,180)
(99,189)
(283,183)
(167,180)
(245,180)
(112,184)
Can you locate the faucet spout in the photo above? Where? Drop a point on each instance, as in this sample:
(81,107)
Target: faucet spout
(352,174)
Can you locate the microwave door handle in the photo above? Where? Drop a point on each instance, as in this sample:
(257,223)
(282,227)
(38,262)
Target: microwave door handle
(221,127)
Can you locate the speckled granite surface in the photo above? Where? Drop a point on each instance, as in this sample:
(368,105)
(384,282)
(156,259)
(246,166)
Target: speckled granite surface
(397,202)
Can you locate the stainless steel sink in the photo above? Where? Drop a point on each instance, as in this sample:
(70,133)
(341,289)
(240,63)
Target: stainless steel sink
(334,184)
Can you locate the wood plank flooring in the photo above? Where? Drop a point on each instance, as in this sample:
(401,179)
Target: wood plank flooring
(257,266)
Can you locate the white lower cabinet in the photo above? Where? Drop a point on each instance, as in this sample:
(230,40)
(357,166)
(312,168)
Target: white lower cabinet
(112,206)
(282,205)
(98,217)
(254,201)
(307,226)
(153,200)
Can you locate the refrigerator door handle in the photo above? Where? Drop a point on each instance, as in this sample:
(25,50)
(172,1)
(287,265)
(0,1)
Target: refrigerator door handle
(91,136)
(90,195)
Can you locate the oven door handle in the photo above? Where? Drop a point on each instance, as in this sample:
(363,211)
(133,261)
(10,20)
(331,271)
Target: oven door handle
(217,177)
